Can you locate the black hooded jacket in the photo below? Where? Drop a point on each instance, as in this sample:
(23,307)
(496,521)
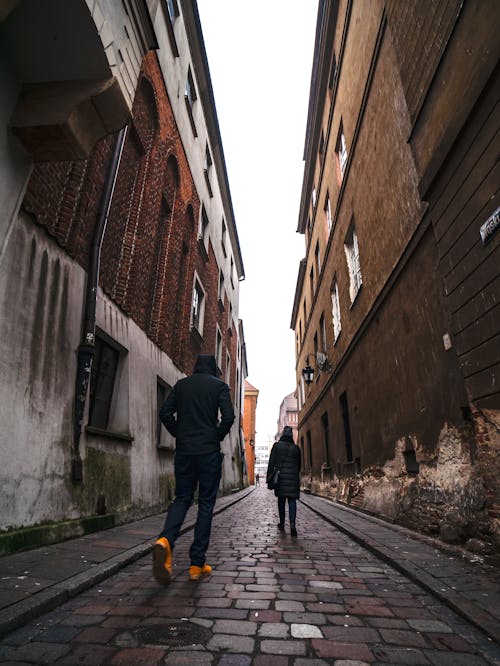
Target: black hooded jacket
(191,411)
(285,454)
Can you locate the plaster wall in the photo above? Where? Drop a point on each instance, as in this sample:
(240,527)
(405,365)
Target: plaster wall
(40,314)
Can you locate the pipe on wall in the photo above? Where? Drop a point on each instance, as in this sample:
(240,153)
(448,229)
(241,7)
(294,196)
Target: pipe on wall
(86,348)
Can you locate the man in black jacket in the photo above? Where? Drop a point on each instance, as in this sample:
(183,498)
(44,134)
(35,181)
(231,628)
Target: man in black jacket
(191,414)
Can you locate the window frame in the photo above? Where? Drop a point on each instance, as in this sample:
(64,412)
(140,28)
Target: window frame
(341,152)
(336,315)
(197,321)
(190,97)
(116,423)
(351,249)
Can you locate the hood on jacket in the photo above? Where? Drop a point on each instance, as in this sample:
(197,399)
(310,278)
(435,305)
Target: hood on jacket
(206,363)
(287,435)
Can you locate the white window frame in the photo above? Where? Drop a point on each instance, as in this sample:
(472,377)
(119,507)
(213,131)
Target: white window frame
(203,226)
(341,151)
(218,347)
(198,320)
(328,214)
(228,369)
(336,319)
(351,248)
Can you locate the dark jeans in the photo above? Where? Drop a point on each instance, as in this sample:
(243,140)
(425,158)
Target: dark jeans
(191,471)
(292,509)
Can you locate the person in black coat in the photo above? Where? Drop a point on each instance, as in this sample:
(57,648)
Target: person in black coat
(191,414)
(285,455)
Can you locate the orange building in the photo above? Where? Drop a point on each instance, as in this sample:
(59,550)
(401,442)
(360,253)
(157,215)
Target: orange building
(251,395)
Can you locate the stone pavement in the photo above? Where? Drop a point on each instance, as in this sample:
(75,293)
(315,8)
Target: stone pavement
(35,581)
(321,598)
(458,578)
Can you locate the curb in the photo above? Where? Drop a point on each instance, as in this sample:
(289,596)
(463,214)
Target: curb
(475,615)
(21,612)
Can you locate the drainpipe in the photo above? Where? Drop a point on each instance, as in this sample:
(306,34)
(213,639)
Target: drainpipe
(86,348)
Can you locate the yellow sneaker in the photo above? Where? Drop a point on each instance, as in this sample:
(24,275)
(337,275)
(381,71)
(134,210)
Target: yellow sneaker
(195,573)
(162,561)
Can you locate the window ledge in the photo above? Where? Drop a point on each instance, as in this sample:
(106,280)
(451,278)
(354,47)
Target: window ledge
(110,434)
(356,296)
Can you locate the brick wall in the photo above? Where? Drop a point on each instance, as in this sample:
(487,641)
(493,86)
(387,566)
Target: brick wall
(150,250)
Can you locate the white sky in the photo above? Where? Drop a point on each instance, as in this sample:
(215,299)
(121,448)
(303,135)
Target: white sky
(260,59)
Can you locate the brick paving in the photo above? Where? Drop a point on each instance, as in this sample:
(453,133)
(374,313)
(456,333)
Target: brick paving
(273,600)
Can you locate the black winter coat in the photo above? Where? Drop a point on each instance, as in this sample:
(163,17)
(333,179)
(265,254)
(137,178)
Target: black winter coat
(286,455)
(191,411)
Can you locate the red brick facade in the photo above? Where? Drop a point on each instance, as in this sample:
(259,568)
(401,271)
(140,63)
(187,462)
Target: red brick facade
(150,250)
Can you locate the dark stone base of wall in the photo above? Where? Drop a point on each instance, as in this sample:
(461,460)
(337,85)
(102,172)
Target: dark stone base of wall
(44,535)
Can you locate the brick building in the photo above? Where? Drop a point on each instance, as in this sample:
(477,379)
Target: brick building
(120,257)
(396,310)
(251,395)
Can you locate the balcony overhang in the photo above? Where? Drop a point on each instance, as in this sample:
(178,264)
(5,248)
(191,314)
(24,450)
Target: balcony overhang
(62,120)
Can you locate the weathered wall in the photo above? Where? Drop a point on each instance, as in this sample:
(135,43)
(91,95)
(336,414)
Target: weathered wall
(149,255)
(422,454)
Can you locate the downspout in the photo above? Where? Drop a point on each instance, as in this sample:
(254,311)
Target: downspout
(86,348)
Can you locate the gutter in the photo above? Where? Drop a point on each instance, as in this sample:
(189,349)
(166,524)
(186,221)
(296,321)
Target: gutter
(86,348)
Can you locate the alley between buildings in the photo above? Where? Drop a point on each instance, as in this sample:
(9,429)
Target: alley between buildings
(320,598)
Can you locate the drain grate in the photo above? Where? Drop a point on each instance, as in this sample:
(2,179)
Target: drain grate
(172,634)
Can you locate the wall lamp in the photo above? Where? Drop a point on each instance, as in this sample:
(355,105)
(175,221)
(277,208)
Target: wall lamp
(322,363)
(308,372)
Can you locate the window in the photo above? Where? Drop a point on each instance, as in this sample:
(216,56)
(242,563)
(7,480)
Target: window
(305,312)
(341,151)
(322,329)
(198,307)
(337,325)
(311,283)
(353,264)
(190,90)
(313,197)
(190,98)
(173,13)
(223,237)
(102,381)
(207,168)
(228,369)
(322,145)
(203,231)
(218,348)
(231,273)
(328,215)
(220,293)
(173,10)
(230,319)
(317,258)
(326,436)
(333,74)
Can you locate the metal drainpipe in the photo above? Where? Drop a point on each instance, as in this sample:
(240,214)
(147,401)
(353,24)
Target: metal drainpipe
(86,348)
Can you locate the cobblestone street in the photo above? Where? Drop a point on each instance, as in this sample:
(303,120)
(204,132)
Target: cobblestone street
(272,600)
